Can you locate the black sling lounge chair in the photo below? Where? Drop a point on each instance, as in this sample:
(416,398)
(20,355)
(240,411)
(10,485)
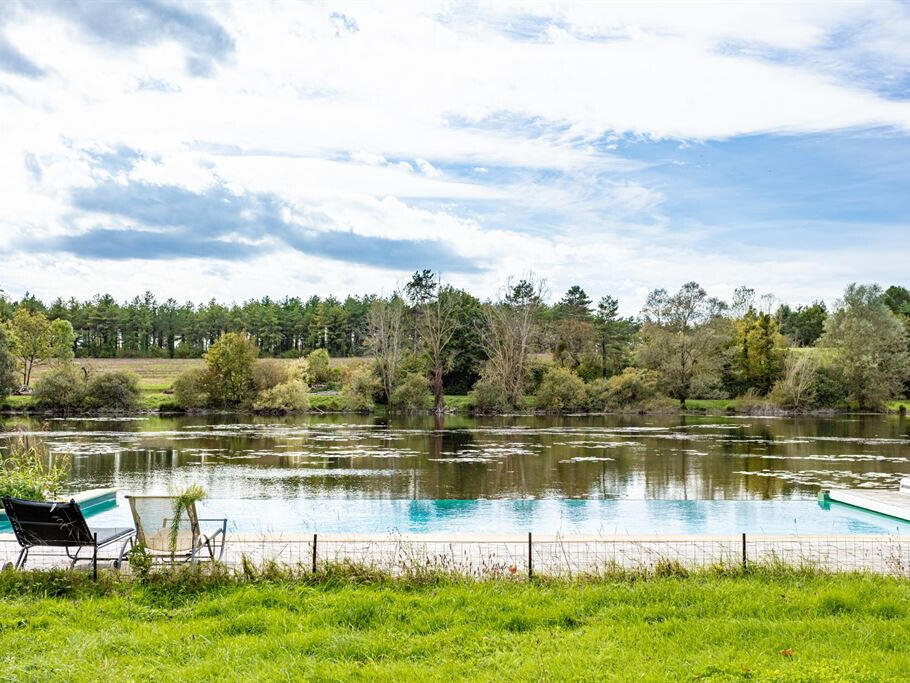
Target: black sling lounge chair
(61,525)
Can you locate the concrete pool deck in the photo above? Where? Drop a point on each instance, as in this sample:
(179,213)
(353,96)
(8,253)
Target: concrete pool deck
(891,503)
(487,554)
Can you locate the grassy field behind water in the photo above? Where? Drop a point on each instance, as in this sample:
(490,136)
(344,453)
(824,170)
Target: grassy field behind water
(762,626)
(156,376)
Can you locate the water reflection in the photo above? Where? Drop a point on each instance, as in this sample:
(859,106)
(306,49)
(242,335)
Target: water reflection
(460,458)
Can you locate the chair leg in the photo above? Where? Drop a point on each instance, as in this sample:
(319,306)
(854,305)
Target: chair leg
(23,558)
(119,561)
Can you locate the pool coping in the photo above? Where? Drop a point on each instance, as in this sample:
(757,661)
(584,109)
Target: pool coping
(306,538)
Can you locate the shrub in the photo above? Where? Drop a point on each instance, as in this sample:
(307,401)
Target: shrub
(185,350)
(632,388)
(590,367)
(61,388)
(412,393)
(831,387)
(796,389)
(410,364)
(268,373)
(488,396)
(360,388)
(536,371)
(112,391)
(230,363)
(329,404)
(298,371)
(291,396)
(170,407)
(318,367)
(191,389)
(561,391)
(24,474)
(753,403)
(597,395)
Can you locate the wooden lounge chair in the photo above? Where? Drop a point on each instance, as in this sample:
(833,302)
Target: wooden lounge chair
(62,525)
(169,541)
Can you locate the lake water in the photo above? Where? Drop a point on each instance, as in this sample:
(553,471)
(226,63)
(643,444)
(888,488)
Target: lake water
(598,474)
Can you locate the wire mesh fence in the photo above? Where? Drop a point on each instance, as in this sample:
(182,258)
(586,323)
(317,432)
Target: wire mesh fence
(490,557)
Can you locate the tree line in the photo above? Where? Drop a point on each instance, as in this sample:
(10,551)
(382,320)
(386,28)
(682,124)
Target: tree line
(148,328)
(431,339)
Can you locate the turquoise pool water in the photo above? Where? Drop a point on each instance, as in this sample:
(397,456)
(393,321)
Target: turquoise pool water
(548,516)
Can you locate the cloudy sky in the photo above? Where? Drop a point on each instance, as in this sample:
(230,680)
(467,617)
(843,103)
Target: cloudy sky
(239,150)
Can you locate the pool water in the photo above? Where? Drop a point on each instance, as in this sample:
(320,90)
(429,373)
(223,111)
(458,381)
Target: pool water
(546,516)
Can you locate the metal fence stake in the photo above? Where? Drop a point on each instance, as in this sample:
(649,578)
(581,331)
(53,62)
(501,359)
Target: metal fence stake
(95,558)
(744,550)
(314,553)
(530,559)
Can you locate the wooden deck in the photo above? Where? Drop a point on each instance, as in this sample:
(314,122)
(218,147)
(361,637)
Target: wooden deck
(891,503)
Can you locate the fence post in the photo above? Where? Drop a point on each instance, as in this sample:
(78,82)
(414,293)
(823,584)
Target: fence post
(530,559)
(95,558)
(314,553)
(744,550)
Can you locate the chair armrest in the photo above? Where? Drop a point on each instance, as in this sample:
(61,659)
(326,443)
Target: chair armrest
(222,521)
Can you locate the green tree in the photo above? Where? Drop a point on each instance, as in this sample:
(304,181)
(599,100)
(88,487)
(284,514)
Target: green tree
(30,341)
(422,287)
(229,363)
(614,336)
(62,340)
(468,356)
(803,325)
(683,339)
(574,304)
(897,298)
(870,345)
(7,366)
(759,351)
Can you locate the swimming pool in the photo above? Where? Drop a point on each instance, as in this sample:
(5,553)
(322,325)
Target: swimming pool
(545,516)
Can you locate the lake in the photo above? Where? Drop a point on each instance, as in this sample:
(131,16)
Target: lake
(343,458)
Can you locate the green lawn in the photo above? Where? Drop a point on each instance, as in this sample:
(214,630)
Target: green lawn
(767,626)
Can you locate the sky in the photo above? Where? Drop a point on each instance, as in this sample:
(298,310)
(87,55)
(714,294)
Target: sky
(233,151)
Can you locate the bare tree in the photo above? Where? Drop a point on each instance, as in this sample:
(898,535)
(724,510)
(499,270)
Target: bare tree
(436,326)
(509,328)
(796,389)
(386,321)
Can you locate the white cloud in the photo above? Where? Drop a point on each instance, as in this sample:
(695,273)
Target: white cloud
(336,111)
(427,168)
